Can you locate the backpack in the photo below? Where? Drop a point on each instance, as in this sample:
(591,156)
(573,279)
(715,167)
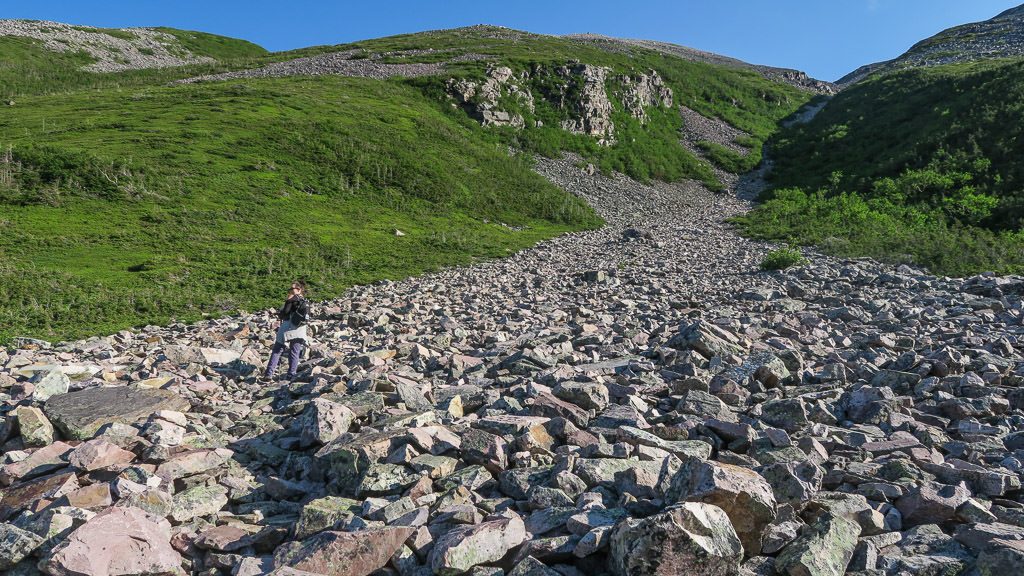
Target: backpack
(300,313)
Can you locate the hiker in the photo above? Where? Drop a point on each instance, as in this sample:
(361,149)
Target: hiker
(292,331)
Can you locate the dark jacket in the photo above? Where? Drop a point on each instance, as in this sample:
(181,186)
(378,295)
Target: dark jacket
(295,310)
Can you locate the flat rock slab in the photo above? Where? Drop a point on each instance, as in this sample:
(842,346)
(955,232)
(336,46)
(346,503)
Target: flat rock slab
(19,496)
(79,415)
(343,553)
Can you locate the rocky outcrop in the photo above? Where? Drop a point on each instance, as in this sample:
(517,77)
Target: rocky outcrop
(579,90)
(482,100)
(584,96)
(642,91)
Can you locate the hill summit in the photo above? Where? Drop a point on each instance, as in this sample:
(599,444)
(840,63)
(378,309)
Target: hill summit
(999,37)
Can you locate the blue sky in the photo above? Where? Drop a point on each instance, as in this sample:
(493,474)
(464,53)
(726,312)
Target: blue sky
(826,38)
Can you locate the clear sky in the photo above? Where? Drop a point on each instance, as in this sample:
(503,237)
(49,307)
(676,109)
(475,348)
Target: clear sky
(826,38)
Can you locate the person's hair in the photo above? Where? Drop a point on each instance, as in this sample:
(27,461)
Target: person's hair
(301,284)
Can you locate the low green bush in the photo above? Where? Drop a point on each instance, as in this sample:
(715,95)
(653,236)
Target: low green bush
(782,258)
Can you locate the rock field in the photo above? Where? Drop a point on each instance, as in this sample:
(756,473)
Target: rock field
(346,63)
(130,49)
(637,400)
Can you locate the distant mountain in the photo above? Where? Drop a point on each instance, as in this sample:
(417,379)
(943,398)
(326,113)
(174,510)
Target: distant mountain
(1000,37)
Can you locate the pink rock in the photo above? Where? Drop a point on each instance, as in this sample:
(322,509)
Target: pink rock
(117,542)
(98,453)
(91,497)
(23,495)
(343,553)
(192,463)
(40,462)
(225,538)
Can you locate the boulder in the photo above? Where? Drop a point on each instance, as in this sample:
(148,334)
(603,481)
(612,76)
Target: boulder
(117,542)
(16,544)
(79,415)
(931,503)
(42,461)
(50,383)
(1001,558)
(324,421)
(689,539)
(35,428)
(98,453)
(460,549)
(323,514)
(823,549)
(343,553)
(743,494)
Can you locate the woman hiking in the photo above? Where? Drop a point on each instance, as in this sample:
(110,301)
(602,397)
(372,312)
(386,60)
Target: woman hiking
(292,331)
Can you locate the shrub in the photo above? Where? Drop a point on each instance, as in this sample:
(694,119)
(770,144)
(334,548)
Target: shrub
(782,258)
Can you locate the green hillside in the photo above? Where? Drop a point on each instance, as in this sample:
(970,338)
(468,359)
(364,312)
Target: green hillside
(919,166)
(743,98)
(126,201)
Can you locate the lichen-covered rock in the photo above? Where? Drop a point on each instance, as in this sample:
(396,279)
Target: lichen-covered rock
(16,544)
(34,427)
(823,549)
(50,383)
(689,539)
(742,493)
(323,514)
(462,548)
(198,501)
(79,415)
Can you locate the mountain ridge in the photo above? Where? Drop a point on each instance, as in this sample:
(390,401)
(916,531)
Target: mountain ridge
(1001,36)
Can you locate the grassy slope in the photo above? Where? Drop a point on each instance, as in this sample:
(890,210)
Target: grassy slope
(921,165)
(237,187)
(742,98)
(137,202)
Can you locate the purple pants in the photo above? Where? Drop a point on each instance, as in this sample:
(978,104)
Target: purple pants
(294,351)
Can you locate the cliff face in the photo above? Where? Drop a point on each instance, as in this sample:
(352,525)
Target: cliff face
(583,92)
(1000,37)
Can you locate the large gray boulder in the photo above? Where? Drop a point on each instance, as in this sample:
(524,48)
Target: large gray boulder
(824,549)
(689,539)
(742,493)
(79,415)
(459,550)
